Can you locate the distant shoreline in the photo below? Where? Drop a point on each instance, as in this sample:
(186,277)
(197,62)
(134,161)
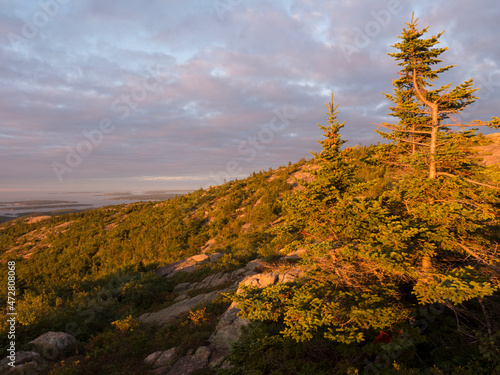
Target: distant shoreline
(41,207)
(11,210)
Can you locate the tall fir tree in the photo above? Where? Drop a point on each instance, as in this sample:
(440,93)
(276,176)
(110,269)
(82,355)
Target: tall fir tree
(427,114)
(447,194)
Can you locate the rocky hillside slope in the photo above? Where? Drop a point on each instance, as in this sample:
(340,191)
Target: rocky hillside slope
(490,152)
(139,268)
(145,288)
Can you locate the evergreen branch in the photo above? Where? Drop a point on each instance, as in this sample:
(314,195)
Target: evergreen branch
(413,142)
(422,112)
(402,130)
(468,180)
(444,95)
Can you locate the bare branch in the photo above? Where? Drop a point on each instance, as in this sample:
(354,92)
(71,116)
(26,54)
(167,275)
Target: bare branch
(459,201)
(468,180)
(479,257)
(458,126)
(402,130)
(485,314)
(413,142)
(470,124)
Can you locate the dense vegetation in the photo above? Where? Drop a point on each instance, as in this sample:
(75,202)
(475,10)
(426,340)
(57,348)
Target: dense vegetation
(78,273)
(400,272)
(405,281)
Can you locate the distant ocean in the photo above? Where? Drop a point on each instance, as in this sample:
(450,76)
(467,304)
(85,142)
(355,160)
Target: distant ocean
(16,204)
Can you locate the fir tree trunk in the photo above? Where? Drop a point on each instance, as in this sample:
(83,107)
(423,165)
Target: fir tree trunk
(414,146)
(426,264)
(435,125)
(433,145)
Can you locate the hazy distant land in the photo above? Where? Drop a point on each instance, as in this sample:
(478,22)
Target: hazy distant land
(84,201)
(153,197)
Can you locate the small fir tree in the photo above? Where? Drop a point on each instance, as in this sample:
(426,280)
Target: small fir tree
(345,293)
(333,176)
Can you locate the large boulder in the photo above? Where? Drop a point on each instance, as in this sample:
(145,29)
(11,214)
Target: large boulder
(261,280)
(187,265)
(160,361)
(169,314)
(228,330)
(191,362)
(219,279)
(295,255)
(55,345)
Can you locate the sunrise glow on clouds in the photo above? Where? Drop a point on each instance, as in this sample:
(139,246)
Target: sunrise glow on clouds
(171,94)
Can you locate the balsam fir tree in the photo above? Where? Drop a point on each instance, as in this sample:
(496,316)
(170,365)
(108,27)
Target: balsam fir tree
(333,176)
(426,114)
(345,295)
(447,194)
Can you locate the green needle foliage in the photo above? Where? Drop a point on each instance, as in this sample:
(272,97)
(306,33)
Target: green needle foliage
(455,213)
(350,241)
(372,263)
(333,177)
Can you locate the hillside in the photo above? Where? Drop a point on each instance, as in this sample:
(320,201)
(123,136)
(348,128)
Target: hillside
(80,272)
(149,287)
(490,152)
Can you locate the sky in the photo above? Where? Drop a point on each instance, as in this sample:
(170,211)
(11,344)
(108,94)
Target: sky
(169,94)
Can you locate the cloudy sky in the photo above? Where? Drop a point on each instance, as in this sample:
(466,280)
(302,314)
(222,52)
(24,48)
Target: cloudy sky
(171,94)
